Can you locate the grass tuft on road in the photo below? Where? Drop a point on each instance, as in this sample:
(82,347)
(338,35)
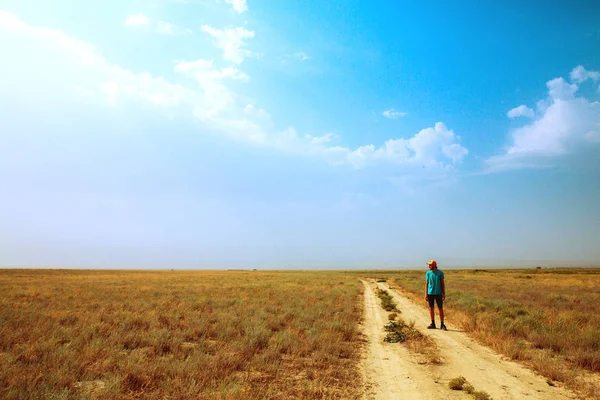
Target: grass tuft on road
(387,301)
(460,383)
(457,383)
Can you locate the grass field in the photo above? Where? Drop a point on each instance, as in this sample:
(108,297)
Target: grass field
(267,335)
(170,335)
(546,318)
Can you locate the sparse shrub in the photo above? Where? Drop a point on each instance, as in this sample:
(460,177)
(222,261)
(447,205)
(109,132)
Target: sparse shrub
(392,316)
(460,383)
(398,332)
(479,395)
(394,326)
(387,301)
(457,383)
(395,337)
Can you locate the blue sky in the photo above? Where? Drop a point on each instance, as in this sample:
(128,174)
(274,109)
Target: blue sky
(294,134)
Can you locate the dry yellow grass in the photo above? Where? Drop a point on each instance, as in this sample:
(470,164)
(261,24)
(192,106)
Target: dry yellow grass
(173,335)
(545,318)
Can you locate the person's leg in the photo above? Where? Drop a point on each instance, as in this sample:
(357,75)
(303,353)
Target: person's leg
(440,304)
(431,311)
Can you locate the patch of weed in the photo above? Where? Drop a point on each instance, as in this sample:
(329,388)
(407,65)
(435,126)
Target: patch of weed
(467,387)
(387,301)
(396,332)
(457,383)
(395,337)
(481,395)
(460,383)
(399,331)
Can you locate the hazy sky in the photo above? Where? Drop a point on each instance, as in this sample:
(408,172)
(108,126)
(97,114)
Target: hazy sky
(306,134)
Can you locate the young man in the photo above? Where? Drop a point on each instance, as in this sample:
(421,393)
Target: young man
(435,291)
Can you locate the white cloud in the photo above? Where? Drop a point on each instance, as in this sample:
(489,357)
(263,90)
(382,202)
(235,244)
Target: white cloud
(161,27)
(429,146)
(580,74)
(455,152)
(137,20)
(210,80)
(231,42)
(359,157)
(565,122)
(391,114)
(204,71)
(165,28)
(258,114)
(75,63)
(239,6)
(558,88)
(521,111)
(80,68)
(318,140)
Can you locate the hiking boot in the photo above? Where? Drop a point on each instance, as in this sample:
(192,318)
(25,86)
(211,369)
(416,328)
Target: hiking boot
(443,327)
(432,326)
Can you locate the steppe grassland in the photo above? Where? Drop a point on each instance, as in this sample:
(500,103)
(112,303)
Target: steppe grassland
(175,334)
(546,318)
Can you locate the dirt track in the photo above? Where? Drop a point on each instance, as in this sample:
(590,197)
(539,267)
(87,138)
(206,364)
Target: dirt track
(392,372)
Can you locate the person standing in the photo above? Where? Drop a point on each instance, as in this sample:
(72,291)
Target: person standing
(435,291)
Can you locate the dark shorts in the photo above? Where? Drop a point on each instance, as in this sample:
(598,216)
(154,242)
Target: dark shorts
(437,298)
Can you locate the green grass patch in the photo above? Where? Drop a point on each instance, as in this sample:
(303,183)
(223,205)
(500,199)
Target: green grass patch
(399,331)
(387,301)
(460,383)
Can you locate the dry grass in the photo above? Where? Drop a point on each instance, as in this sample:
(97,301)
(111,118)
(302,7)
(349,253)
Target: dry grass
(173,335)
(481,395)
(545,318)
(460,383)
(457,383)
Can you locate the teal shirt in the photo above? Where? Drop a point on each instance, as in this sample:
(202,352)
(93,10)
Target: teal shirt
(434,281)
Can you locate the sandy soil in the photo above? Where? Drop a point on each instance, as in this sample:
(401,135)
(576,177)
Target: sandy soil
(391,372)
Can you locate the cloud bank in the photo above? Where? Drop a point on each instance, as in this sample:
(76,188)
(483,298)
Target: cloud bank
(564,123)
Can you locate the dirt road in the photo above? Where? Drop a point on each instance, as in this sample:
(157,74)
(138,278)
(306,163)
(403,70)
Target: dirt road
(392,372)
